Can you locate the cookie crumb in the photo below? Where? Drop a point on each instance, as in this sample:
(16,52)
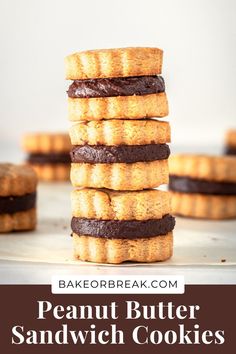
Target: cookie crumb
(223,260)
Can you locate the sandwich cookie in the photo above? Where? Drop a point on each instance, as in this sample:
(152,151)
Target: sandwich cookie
(17,197)
(116,83)
(230,142)
(120,155)
(203,186)
(49,155)
(114,227)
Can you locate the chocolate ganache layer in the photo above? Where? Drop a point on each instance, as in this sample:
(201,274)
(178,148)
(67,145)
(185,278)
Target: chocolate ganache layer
(11,204)
(190,185)
(49,158)
(230,150)
(116,86)
(120,153)
(123,229)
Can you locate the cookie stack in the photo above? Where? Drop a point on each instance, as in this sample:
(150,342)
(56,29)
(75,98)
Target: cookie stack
(118,155)
(17,197)
(203,186)
(49,155)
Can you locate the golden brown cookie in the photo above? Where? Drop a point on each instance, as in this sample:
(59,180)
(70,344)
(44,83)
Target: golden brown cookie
(120,132)
(17,197)
(128,107)
(106,204)
(120,176)
(49,155)
(52,172)
(230,142)
(19,221)
(103,250)
(203,186)
(120,62)
(203,206)
(230,138)
(210,168)
(45,143)
(16,180)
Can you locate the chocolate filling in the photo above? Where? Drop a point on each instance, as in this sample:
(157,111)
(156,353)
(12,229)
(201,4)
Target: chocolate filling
(12,204)
(49,158)
(121,153)
(191,185)
(123,229)
(229,150)
(116,86)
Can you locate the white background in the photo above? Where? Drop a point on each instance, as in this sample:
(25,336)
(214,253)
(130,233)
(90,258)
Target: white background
(198,38)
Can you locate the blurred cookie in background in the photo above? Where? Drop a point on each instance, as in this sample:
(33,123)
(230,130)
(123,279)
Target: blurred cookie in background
(203,186)
(18,185)
(49,155)
(230,142)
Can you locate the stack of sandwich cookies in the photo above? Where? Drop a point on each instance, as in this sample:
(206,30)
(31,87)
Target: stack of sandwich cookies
(113,227)
(120,153)
(230,143)
(203,186)
(49,155)
(17,197)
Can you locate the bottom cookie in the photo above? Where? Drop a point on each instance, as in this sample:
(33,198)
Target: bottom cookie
(202,206)
(52,172)
(104,250)
(20,221)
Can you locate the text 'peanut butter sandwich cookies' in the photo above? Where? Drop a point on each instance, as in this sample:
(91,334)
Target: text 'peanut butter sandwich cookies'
(203,186)
(230,142)
(17,197)
(119,153)
(49,155)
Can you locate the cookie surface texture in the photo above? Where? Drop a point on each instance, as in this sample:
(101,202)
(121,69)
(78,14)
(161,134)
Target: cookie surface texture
(121,62)
(101,250)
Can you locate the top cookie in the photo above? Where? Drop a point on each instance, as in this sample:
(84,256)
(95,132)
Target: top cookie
(46,143)
(121,62)
(16,180)
(210,168)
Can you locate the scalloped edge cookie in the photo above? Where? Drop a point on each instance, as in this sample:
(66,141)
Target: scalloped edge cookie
(127,107)
(102,250)
(119,62)
(52,172)
(120,176)
(210,168)
(46,143)
(19,221)
(120,132)
(109,205)
(203,206)
(230,138)
(16,180)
